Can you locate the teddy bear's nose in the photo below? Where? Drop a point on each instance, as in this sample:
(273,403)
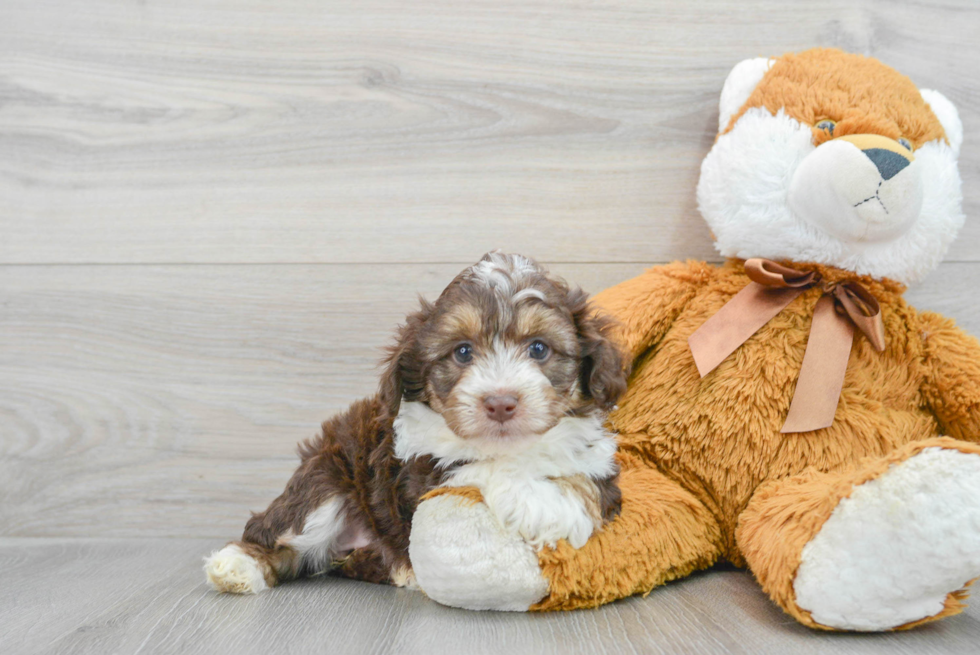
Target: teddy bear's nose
(888,163)
(888,155)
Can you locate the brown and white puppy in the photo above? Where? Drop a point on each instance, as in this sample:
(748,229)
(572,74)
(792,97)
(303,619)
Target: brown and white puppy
(503,384)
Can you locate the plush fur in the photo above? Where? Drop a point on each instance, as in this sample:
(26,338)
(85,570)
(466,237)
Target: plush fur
(908,535)
(502,383)
(491,569)
(773,153)
(823,519)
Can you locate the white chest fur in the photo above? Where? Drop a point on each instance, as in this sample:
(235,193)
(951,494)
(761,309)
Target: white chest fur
(519,478)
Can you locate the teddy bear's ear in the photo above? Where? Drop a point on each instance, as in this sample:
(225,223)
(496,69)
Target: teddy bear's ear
(739,86)
(946,112)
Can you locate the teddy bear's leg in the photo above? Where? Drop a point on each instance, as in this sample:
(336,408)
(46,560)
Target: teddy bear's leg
(462,557)
(888,545)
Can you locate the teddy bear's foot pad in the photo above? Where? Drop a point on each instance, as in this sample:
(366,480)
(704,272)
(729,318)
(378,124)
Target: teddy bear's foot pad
(463,558)
(892,552)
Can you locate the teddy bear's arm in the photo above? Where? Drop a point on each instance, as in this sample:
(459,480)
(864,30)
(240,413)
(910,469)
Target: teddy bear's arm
(952,376)
(646,306)
(463,557)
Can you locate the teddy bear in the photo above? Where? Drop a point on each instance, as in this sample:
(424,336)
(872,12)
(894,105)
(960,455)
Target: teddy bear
(787,411)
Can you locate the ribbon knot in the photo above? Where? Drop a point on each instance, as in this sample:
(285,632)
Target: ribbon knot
(842,307)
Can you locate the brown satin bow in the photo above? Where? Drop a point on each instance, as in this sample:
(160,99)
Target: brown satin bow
(843,306)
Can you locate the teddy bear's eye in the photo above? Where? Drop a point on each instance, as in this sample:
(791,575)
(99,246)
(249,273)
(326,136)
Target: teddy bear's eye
(905,143)
(827,125)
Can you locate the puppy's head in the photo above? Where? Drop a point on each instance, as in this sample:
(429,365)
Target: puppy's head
(504,353)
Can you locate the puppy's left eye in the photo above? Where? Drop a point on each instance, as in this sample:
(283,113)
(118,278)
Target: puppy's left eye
(905,143)
(538,350)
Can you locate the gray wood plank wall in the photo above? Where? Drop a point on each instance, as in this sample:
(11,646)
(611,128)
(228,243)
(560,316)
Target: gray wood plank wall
(213,212)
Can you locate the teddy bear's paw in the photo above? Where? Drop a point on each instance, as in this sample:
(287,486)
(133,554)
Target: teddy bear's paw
(895,551)
(463,557)
(231,570)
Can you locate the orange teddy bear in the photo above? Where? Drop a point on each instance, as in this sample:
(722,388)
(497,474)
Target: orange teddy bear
(833,182)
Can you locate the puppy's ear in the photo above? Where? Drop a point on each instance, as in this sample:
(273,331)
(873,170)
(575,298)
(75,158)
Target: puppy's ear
(402,376)
(604,369)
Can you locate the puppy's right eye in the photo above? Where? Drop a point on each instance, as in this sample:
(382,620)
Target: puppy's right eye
(463,353)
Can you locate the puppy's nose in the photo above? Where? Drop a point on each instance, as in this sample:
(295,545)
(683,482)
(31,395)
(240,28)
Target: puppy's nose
(500,408)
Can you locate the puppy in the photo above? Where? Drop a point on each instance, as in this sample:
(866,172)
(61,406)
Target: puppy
(502,384)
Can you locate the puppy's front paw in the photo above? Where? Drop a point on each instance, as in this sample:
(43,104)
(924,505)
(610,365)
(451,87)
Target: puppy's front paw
(231,570)
(545,511)
(571,524)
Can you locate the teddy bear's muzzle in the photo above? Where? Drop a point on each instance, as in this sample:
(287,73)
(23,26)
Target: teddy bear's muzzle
(858,188)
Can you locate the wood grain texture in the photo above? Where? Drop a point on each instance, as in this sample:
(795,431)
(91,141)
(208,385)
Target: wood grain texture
(385,131)
(148,596)
(167,400)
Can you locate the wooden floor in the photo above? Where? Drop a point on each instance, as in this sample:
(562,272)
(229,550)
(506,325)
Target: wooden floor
(213,213)
(132,596)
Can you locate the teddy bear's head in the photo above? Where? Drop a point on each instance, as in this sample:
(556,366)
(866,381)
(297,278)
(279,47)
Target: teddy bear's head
(837,159)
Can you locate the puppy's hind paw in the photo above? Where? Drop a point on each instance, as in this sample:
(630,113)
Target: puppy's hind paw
(232,570)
